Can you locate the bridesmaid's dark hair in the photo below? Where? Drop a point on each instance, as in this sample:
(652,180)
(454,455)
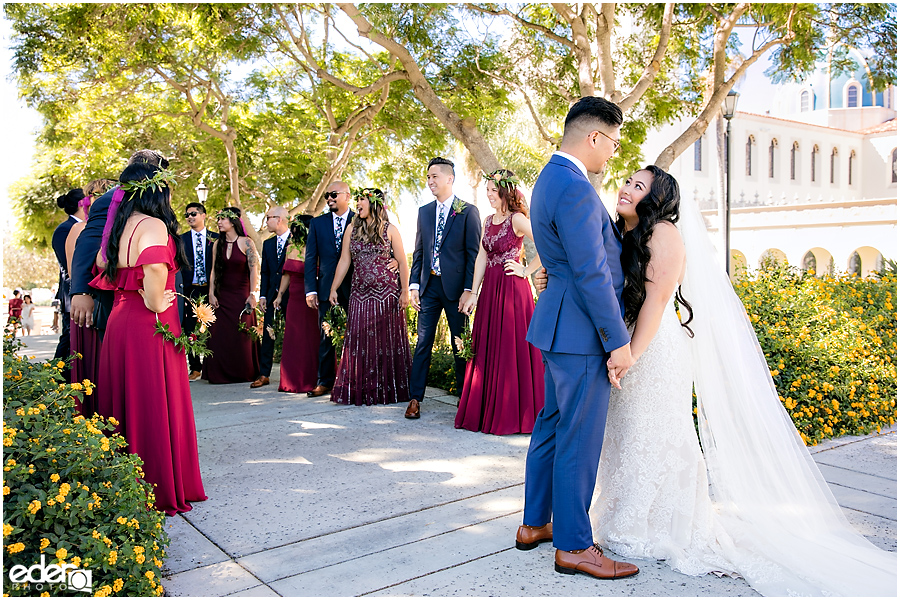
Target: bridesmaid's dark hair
(514,198)
(153,202)
(662,203)
(69,201)
(238,225)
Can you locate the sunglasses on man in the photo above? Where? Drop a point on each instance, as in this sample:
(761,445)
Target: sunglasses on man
(193,213)
(332,195)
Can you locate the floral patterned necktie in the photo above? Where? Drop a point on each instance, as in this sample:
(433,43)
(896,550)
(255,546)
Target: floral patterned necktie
(279,244)
(199,259)
(338,233)
(438,236)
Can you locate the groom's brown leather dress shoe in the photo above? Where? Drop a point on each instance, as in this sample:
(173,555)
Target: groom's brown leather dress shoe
(260,381)
(412,411)
(529,536)
(319,390)
(592,562)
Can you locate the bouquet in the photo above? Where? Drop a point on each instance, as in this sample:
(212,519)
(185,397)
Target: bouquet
(255,331)
(335,326)
(465,349)
(193,343)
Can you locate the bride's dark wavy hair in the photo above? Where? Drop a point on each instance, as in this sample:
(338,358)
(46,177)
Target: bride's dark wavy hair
(662,203)
(153,202)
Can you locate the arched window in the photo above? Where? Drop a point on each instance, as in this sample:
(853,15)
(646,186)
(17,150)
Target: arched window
(850,167)
(852,95)
(750,142)
(795,149)
(772,145)
(698,155)
(805,101)
(854,265)
(812,162)
(809,261)
(894,166)
(833,164)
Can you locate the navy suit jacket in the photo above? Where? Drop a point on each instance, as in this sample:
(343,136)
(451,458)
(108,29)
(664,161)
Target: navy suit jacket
(271,270)
(458,251)
(58,242)
(581,311)
(322,258)
(187,272)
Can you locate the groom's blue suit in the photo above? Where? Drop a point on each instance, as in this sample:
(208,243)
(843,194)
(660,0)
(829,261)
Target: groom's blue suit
(577,322)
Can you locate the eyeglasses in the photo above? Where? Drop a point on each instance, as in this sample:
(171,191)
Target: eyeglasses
(331,195)
(193,213)
(617,143)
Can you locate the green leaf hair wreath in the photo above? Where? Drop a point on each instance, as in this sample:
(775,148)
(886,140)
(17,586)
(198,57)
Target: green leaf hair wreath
(373,195)
(507,181)
(161,179)
(228,214)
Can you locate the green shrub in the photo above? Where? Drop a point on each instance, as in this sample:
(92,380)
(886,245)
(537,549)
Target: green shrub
(71,493)
(831,346)
(442,372)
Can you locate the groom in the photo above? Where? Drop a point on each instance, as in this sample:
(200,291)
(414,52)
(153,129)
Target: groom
(578,327)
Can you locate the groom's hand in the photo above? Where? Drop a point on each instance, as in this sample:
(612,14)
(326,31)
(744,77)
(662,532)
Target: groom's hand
(540,280)
(620,360)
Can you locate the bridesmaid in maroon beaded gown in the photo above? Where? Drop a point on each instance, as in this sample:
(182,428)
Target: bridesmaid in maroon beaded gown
(375,360)
(300,346)
(143,383)
(232,287)
(503,389)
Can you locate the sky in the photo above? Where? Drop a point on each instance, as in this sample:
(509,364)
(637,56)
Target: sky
(20,124)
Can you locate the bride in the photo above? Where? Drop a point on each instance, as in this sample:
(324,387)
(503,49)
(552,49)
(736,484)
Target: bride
(752,502)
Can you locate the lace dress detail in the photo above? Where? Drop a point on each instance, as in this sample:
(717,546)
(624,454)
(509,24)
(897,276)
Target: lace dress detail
(499,244)
(652,496)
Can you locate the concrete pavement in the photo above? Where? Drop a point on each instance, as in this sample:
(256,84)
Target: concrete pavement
(309,498)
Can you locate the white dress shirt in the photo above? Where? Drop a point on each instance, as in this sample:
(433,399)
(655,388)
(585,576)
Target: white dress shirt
(574,161)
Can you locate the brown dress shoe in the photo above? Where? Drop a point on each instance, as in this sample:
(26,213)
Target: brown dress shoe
(529,536)
(412,411)
(194,376)
(260,381)
(319,390)
(592,562)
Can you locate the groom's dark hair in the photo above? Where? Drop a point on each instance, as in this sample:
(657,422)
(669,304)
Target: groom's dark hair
(591,111)
(446,165)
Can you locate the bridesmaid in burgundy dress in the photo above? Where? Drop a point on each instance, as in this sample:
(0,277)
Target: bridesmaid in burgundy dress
(504,385)
(300,347)
(376,360)
(233,286)
(143,383)
(84,340)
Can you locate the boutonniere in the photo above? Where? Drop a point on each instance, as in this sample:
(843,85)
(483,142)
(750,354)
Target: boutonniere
(457,207)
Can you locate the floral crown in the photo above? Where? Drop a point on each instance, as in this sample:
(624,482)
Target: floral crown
(373,195)
(508,181)
(161,179)
(228,214)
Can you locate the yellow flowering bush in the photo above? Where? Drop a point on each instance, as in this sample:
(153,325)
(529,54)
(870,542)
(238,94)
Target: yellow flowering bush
(71,493)
(831,346)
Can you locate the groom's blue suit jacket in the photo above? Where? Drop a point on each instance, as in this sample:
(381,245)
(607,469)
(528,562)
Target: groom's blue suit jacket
(581,311)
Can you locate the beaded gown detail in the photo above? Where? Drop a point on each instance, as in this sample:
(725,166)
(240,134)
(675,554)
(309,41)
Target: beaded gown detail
(300,347)
(375,361)
(234,356)
(144,385)
(503,389)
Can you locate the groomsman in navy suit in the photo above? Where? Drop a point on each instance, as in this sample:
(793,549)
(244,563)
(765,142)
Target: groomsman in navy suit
(198,244)
(84,310)
(448,235)
(323,249)
(273,253)
(578,327)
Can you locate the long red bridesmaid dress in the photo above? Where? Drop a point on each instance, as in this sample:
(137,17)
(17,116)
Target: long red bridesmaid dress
(503,389)
(144,385)
(300,347)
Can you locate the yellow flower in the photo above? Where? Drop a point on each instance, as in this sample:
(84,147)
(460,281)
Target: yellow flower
(44,543)
(76,560)
(149,575)
(76,386)
(8,529)
(15,548)
(34,506)
(61,365)
(62,553)
(121,520)
(112,421)
(139,559)
(86,383)
(118,584)
(113,557)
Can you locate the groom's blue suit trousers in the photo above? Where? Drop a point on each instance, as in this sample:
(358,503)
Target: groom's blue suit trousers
(561,469)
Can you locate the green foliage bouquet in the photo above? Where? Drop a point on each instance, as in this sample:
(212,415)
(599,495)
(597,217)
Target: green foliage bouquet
(335,326)
(831,346)
(72,497)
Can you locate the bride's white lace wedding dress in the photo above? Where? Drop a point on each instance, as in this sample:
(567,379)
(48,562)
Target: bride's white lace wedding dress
(752,502)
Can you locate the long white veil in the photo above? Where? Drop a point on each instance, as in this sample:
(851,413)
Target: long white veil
(770,494)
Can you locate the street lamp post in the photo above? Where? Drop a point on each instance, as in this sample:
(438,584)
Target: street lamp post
(202,193)
(728,112)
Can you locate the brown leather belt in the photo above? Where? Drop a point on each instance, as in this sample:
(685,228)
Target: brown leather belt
(436,274)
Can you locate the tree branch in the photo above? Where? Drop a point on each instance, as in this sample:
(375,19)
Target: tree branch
(525,23)
(655,64)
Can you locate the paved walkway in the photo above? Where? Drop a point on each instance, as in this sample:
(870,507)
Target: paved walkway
(308,498)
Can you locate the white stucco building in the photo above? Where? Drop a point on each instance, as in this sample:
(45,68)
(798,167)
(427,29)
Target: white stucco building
(813,182)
